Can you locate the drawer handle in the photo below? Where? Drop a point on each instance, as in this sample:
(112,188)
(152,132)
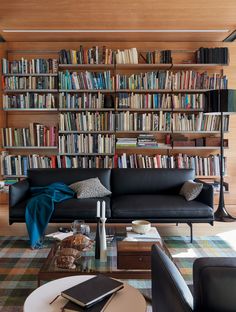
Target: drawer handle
(140,259)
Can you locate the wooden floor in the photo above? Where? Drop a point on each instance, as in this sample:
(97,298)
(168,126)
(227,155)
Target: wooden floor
(19,229)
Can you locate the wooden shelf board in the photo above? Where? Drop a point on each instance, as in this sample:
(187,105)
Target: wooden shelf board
(144,66)
(31,90)
(86,154)
(31,75)
(141,131)
(191,65)
(86,91)
(143,147)
(143,109)
(41,110)
(86,66)
(85,109)
(161,91)
(86,132)
(30,147)
(197,147)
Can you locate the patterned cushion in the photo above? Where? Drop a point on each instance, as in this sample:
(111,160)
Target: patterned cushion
(89,188)
(190,190)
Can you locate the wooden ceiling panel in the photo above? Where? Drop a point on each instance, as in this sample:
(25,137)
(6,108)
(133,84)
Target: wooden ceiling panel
(122,14)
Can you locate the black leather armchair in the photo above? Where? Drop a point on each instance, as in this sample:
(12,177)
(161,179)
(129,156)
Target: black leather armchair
(214,285)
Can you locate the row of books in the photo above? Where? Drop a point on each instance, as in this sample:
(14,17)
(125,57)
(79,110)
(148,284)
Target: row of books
(203,166)
(103,55)
(86,80)
(33,66)
(127,56)
(28,100)
(164,80)
(212,55)
(198,122)
(35,135)
(138,101)
(86,144)
(19,164)
(126,121)
(94,55)
(87,121)
(31,83)
(81,100)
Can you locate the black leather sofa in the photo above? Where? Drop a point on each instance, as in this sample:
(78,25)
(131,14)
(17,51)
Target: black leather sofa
(214,285)
(150,194)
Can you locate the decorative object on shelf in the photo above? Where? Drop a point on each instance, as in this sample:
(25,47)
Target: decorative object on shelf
(223,102)
(103,242)
(97,237)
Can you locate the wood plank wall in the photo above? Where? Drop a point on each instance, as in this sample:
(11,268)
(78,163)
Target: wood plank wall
(15,50)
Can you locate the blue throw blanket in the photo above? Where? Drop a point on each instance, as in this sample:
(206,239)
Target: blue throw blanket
(40,208)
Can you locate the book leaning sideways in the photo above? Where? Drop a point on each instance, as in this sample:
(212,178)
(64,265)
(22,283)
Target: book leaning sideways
(93,290)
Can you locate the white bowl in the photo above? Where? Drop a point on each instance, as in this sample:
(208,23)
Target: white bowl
(141,226)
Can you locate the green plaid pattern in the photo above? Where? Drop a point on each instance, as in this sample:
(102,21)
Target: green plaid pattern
(19,265)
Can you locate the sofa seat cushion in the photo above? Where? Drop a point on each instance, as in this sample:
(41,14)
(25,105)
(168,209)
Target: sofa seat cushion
(80,208)
(158,206)
(70,209)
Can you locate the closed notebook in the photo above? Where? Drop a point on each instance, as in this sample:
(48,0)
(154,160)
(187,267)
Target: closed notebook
(93,290)
(97,307)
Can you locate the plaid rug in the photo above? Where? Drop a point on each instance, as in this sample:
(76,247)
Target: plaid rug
(19,264)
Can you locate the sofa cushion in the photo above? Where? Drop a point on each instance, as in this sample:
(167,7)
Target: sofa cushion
(43,177)
(89,188)
(149,181)
(80,208)
(158,206)
(190,190)
(70,209)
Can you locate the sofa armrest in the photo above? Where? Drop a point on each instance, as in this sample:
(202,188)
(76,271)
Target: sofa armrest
(207,194)
(18,192)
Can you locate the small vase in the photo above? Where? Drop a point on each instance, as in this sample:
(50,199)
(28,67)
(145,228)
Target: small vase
(97,240)
(103,242)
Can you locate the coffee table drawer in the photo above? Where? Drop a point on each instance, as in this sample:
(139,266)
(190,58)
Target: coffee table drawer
(134,261)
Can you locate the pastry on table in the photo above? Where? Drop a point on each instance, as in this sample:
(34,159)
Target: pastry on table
(65,262)
(78,242)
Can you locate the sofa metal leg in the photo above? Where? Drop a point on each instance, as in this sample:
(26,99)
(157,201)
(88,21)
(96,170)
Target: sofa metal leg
(191,232)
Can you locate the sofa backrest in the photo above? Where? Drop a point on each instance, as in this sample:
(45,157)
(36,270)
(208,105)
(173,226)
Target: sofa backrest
(149,181)
(43,177)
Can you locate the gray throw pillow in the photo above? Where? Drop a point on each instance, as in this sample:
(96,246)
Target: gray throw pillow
(89,188)
(190,190)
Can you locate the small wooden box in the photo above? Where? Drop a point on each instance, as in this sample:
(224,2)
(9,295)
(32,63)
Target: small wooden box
(134,255)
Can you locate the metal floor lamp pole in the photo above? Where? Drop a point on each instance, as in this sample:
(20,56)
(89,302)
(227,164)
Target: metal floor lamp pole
(221,213)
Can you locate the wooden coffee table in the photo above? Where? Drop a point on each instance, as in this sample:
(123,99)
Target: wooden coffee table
(88,265)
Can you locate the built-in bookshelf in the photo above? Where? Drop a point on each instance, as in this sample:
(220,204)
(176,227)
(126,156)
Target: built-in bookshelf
(114,108)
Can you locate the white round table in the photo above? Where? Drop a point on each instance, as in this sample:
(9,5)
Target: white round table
(126,299)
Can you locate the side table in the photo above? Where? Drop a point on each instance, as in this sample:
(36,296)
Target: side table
(127,299)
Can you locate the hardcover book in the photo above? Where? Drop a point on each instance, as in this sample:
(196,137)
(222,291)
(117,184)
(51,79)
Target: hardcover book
(92,291)
(98,307)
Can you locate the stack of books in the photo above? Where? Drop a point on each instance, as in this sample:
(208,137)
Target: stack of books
(151,235)
(93,295)
(147,140)
(126,142)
